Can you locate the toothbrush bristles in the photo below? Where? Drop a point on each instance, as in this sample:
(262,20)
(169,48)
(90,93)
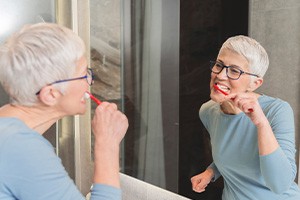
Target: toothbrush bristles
(97,101)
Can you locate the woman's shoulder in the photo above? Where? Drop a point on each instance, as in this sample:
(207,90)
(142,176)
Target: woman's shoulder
(207,108)
(13,127)
(276,109)
(271,103)
(14,134)
(208,105)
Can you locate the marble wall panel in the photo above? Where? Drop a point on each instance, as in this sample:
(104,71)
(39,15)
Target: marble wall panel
(276,25)
(105,47)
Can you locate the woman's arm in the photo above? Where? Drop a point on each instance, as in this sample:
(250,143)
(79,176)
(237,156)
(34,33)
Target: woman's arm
(109,127)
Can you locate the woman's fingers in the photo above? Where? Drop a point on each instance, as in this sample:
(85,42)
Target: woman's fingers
(109,123)
(198,183)
(244,101)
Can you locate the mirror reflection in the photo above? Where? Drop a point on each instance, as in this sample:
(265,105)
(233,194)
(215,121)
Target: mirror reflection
(155,59)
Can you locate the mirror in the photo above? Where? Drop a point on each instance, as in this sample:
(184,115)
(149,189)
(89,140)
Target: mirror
(151,58)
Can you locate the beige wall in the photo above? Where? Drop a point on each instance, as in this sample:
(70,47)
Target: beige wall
(276,25)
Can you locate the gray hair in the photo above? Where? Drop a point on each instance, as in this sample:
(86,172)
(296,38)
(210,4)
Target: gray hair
(250,49)
(35,56)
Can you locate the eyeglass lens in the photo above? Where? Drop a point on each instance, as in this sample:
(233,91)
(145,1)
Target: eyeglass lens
(90,77)
(231,72)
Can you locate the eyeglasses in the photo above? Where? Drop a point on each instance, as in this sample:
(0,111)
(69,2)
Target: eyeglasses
(232,72)
(89,78)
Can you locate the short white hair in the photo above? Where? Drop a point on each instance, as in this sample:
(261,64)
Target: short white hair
(250,49)
(35,56)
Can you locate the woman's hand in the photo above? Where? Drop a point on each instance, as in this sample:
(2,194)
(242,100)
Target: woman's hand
(248,103)
(109,124)
(200,181)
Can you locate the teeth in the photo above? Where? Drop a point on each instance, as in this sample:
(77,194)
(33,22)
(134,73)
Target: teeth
(86,96)
(224,88)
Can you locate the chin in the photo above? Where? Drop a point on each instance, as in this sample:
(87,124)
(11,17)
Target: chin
(216,98)
(80,113)
(81,110)
(213,97)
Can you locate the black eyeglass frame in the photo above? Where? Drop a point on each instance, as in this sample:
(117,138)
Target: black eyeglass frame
(213,63)
(88,74)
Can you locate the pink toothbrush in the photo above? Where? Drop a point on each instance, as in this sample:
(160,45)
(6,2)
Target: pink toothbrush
(97,101)
(225,93)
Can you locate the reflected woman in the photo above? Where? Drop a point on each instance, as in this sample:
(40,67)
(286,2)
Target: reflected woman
(252,135)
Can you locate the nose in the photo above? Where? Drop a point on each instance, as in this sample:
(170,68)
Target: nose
(223,74)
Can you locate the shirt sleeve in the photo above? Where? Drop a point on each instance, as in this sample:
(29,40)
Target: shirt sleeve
(32,170)
(217,174)
(105,192)
(203,113)
(204,118)
(283,159)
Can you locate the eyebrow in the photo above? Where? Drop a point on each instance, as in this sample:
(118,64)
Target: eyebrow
(218,60)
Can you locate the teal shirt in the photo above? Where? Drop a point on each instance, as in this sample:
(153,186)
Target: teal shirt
(235,152)
(30,169)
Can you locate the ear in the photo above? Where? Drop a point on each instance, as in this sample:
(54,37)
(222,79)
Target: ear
(49,95)
(255,84)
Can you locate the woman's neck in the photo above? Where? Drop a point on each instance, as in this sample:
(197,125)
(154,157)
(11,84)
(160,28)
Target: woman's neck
(38,118)
(228,108)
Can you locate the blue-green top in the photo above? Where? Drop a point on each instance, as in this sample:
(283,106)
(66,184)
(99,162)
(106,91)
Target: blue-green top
(247,175)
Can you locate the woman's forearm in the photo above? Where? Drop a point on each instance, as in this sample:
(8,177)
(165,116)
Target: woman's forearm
(106,165)
(267,142)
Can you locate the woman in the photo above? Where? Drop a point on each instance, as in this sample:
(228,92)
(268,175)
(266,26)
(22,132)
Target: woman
(44,71)
(252,135)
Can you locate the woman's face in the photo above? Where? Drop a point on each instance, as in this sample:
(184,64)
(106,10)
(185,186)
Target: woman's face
(230,58)
(73,100)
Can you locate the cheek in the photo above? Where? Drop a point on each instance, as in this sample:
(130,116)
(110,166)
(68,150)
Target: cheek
(79,87)
(211,83)
(239,85)
(217,97)
(76,93)
(212,79)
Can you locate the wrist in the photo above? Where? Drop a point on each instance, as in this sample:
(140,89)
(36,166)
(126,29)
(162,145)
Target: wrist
(106,165)
(262,123)
(210,172)
(108,149)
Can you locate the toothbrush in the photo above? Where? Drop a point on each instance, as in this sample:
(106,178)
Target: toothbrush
(219,89)
(225,93)
(89,95)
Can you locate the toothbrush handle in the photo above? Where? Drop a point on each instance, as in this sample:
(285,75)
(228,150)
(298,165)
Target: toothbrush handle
(217,88)
(97,101)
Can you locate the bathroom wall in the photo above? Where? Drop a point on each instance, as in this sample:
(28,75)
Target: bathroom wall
(20,12)
(275,24)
